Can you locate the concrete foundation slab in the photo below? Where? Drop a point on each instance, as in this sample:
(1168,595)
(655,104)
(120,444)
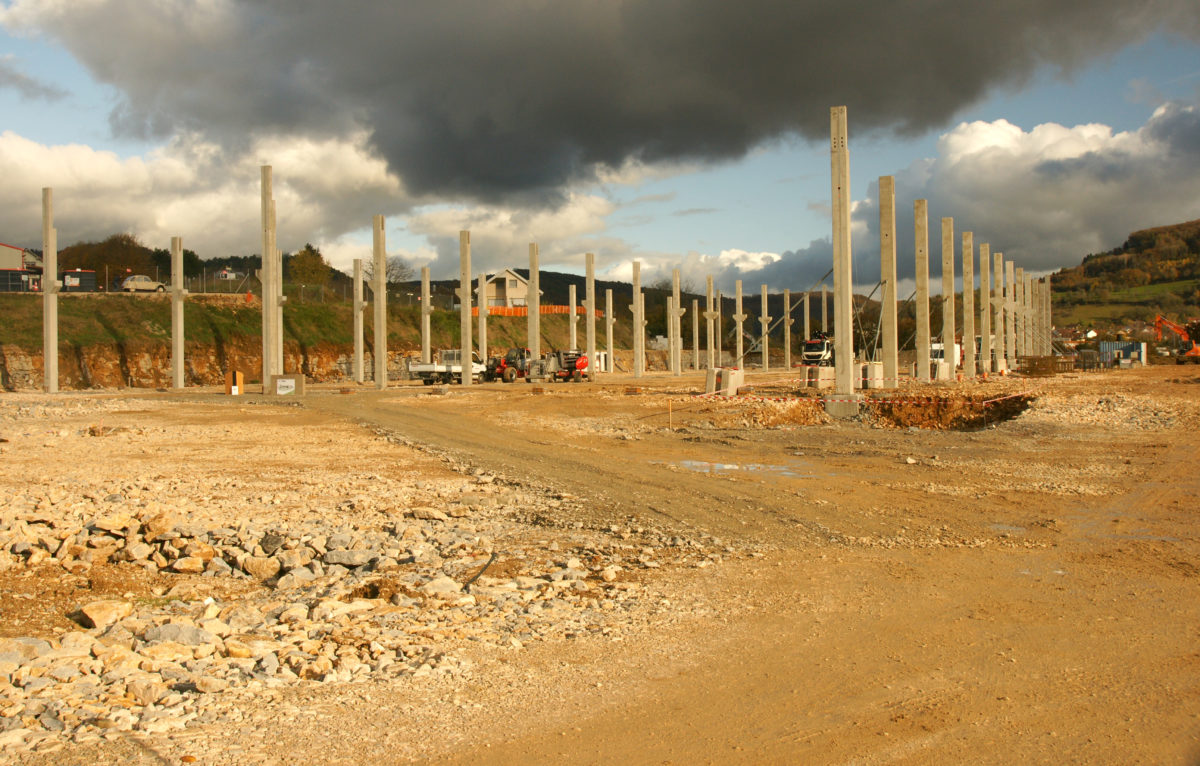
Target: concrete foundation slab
(843,406)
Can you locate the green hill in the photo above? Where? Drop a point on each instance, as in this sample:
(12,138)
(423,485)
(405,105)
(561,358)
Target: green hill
(1155,271)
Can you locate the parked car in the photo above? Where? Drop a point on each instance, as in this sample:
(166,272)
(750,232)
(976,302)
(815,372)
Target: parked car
(140,283)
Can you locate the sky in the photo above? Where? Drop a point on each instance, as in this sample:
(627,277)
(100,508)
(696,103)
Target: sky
(689,134)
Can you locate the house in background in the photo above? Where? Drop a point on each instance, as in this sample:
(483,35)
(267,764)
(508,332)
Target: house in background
(506,288)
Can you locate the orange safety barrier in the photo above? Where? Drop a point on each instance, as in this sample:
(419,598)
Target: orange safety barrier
(523,311)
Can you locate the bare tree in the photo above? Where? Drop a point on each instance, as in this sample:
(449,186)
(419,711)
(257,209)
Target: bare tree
(397,270)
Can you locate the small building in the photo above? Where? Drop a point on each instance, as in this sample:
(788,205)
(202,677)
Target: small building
(18,258)
(78,281)
(506,288)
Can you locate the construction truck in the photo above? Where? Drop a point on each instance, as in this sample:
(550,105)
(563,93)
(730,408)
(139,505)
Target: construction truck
(818,351)
(1190,351)
(447,369)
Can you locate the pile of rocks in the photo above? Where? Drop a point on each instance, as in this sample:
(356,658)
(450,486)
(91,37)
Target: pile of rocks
(342,604)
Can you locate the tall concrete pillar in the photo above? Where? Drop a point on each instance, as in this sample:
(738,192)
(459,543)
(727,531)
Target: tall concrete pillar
(1047,315)
(695,333)
(534,303)
(949,331)
(998,329)
(358,320)
(379,296)
(710,316)
(921,245)
(639,346)
(589,293)
(739,318)
(675,323)
(609,320)
(824,309)
(968,275)
(719,307)
(887,275)
(985,308)
(787,329)
(481,302)
(807,331)
(764,319)
(642,329)
(843,280)
(50,288)
(426,312)
(1010,314)
(573,316)
(1018,293)
(464,300)
(267,277)
(177,294)
(1030,342)
(280,298)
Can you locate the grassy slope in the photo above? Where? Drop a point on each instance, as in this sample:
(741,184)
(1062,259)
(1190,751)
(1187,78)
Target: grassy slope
(95,319)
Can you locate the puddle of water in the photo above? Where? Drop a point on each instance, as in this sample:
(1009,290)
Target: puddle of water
(726,469)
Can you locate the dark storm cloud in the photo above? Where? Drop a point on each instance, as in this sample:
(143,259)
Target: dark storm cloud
(512,99)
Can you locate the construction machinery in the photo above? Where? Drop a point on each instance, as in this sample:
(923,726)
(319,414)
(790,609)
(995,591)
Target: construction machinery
(1190,352)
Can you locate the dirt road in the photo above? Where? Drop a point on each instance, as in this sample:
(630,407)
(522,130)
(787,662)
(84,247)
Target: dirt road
(1028,593)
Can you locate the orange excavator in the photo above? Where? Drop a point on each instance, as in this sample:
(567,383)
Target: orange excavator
(1189,335)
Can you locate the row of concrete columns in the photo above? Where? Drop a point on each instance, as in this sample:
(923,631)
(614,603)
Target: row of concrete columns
(1014,318)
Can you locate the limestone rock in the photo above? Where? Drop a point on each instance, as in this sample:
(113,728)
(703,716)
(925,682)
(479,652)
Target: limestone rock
(260,567)
(101,614)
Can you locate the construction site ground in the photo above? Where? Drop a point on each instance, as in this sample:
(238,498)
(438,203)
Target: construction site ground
(985,572)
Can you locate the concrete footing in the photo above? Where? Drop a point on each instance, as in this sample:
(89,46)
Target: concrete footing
(843,406)
(724,381)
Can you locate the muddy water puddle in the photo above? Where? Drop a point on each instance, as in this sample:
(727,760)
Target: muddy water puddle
(791,470)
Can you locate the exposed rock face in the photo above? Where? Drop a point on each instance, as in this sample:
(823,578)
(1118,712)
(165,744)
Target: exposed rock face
(147,364)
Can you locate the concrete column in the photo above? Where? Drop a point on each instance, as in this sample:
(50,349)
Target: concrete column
(267,277)
(280,298)
(968,333)
(739,317)
(764,319)
(949,331)
(177,294)
(1010,314)
(642,329)
(482,303)
(695,334)
(887,275)
(358,320)
(464,300)
(787,329)
(719,307)
(807,331)
(1019,319)
(639,347)
(573,317)
(998,331)
(379,296)
(985,308)
(1028,314)
(1047,315)
(710,316)
(426,312)
(589,293)
(50,288)
(824,309)
(921,245)
(843,280)
(676,324)
(609,320)
(534,303)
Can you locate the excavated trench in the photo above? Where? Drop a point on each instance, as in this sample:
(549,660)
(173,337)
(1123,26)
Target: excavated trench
(947,413)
